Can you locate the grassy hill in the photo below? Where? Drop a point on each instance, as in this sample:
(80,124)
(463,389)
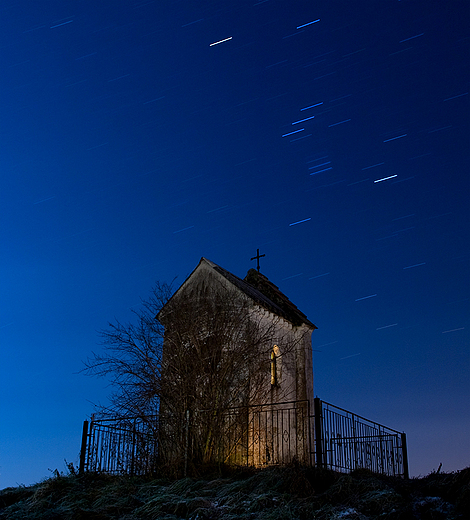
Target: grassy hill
(270,494)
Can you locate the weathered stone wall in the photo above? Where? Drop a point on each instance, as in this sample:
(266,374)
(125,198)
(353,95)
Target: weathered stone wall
(294,362)
(277,433)
(280,430)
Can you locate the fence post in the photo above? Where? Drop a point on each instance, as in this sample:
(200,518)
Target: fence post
(186,445)
(404,453)
(309,433)
(247,435)
(81,467)
(318,422)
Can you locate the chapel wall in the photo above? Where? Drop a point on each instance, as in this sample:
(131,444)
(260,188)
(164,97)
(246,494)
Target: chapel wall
(294,365)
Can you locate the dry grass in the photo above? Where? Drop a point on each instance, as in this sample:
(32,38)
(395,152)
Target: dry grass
(271,494)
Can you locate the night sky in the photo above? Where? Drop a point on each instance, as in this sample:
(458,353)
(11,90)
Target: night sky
(333,136)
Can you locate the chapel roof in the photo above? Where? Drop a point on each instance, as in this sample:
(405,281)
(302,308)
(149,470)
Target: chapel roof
(261,290)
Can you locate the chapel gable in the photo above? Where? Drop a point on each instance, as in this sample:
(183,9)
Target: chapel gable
(286,356)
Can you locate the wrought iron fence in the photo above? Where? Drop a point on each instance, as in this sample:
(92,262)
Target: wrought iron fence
(257,435)
(120,445)
(345,441)
(262,435)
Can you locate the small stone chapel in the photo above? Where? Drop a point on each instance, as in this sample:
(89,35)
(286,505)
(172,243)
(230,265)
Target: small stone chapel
(236,395)
(277,432)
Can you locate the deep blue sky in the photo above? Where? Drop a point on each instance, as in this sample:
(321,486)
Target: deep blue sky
(131,147)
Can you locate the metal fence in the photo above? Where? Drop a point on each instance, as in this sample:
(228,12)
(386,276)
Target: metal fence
(120,445)
(257,435)
(345,441)
(262,435)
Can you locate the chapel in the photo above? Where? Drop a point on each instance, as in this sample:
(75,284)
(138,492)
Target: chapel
(236,388)
(282,405)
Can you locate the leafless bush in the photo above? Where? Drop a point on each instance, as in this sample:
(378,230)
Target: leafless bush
(189,358)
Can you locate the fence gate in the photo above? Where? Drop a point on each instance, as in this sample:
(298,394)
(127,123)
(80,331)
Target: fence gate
(262,435)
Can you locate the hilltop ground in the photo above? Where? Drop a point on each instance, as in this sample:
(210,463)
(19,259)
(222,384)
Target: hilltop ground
(270,494)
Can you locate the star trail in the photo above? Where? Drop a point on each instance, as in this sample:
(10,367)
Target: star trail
(139,137)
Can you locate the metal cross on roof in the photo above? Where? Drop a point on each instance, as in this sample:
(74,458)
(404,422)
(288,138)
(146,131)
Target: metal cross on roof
(257,257)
